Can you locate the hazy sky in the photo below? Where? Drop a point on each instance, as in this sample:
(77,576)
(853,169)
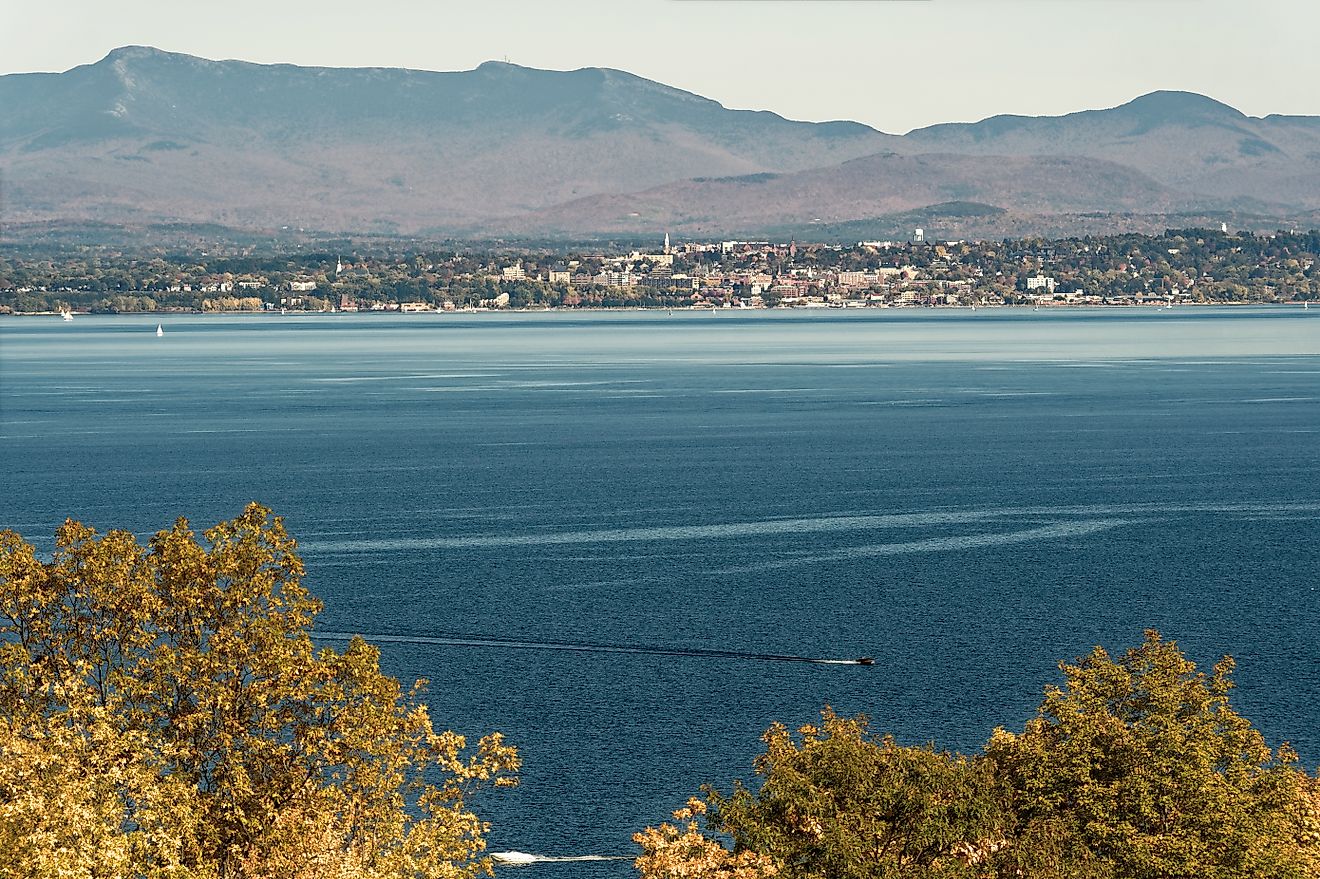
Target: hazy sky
(894,64)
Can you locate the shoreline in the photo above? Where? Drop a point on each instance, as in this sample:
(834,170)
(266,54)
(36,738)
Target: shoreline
(1302,305)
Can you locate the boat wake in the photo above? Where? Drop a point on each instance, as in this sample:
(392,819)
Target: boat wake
(522,859)
(583,647)
(791,527)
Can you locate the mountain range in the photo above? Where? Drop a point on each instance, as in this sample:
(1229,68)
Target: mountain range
(150,137)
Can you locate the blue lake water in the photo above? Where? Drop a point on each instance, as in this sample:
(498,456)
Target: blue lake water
(967,497)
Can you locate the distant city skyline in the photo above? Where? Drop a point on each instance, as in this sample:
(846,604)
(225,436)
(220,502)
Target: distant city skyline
(892,65)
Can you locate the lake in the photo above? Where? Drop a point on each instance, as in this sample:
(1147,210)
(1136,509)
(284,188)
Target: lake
(967,497)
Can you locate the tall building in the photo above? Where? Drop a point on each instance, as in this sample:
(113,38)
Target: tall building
(918,236)
(666,243)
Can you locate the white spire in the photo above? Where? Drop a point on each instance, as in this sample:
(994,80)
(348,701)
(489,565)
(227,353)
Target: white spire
(666,242)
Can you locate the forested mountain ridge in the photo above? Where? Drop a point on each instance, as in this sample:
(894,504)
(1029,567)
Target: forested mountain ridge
(145,136)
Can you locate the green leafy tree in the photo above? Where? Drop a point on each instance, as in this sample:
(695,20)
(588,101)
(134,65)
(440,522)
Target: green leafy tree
(838,801)
(1138,768)
(1135,768)
(184,672)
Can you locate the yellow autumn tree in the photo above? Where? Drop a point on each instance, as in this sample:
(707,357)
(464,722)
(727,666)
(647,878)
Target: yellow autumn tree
(171,697)
(65,785)
(685,851)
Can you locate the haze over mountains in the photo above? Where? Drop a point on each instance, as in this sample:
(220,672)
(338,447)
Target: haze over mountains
(149,137)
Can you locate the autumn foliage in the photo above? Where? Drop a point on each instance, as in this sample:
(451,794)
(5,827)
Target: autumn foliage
(1135,768)
(165,714)
(683,851)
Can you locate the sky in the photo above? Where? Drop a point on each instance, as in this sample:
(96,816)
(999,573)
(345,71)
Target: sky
(893,64)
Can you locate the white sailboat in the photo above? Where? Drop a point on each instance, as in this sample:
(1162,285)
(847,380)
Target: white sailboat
(160,330)
(66,315)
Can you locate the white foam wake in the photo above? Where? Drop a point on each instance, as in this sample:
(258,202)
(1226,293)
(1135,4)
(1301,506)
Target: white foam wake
(792,527)
(523,859)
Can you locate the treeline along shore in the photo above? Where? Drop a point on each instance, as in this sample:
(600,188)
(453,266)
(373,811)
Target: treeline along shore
(1189,266)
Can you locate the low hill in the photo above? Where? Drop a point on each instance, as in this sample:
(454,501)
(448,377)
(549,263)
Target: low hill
(886,183)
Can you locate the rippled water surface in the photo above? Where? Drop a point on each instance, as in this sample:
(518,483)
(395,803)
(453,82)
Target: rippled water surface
(966,497)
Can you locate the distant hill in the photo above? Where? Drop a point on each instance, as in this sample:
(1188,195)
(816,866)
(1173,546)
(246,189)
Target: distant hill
(145,134)
(886,183)
(1183,140)
(151,137)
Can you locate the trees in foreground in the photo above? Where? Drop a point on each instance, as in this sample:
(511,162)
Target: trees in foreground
(1137,767)
(164,714)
